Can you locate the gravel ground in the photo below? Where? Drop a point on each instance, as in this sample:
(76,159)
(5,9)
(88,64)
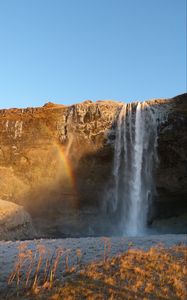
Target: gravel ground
(92,249)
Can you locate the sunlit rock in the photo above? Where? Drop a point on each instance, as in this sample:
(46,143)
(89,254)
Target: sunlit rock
(15,222)
(57,158)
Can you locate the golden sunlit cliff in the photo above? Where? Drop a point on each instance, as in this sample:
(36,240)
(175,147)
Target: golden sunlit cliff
(57,158)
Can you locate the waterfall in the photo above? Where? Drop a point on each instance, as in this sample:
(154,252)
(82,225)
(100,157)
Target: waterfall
(135,157)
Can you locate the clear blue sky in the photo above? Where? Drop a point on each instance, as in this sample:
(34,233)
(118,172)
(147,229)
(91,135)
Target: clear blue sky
(66,51)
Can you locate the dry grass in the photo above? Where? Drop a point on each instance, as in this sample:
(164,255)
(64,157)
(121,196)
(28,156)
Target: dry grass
(156,274)
(37,268)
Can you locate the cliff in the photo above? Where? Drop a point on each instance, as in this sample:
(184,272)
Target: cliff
(57,159)
(171,175)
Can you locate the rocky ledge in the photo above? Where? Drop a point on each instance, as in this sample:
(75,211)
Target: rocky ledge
(55,159)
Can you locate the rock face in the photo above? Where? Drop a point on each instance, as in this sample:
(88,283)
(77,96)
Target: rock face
(58,159)
(15,222)
(171,175)
(45,148)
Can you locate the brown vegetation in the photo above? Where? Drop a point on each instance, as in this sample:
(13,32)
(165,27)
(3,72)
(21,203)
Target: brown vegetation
(136,274)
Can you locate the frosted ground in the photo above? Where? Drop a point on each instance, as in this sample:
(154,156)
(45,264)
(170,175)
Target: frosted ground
(91,248)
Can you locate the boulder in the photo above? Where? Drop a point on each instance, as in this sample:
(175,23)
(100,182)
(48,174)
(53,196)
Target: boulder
(15,222)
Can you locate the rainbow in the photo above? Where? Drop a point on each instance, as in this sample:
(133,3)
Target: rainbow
(63,159)
(67,166)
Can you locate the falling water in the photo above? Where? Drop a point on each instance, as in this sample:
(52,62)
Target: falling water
(134,159)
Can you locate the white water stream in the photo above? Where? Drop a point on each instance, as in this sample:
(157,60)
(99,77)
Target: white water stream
(134,160)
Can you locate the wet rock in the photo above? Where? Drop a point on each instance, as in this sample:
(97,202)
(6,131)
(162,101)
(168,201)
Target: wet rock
(174,225)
